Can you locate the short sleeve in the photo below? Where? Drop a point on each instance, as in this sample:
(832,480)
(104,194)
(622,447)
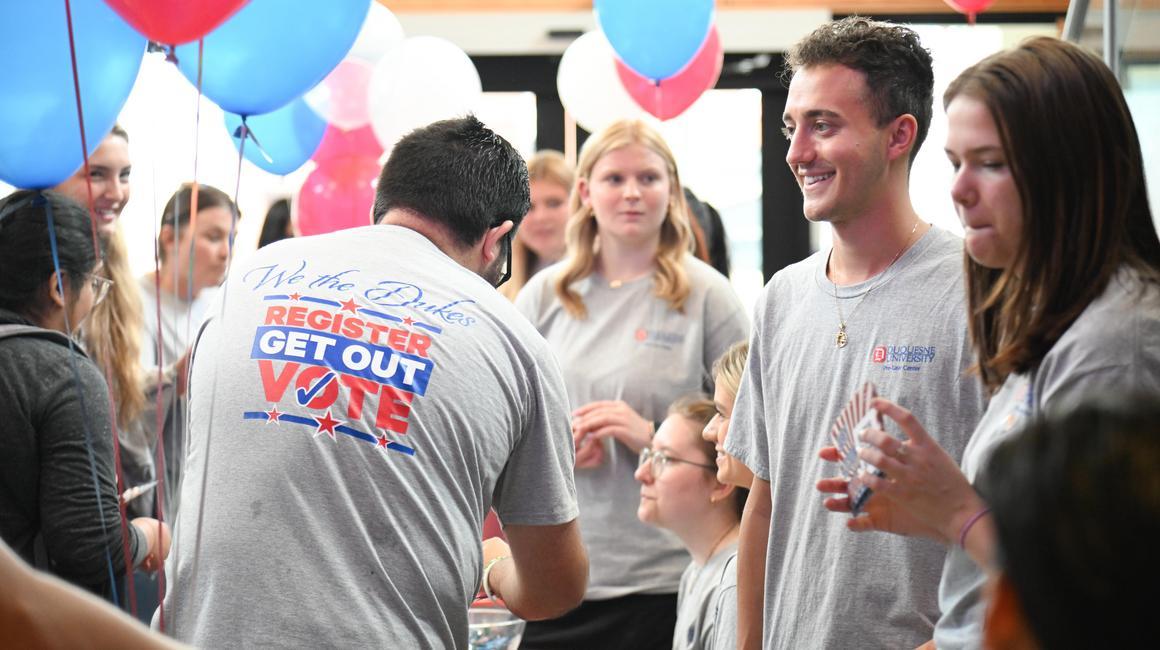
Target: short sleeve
(746,440)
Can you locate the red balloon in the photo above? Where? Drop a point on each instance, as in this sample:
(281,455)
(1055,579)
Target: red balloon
(670,97)
(173,22)
(338,195)
(969,7)
(357,143)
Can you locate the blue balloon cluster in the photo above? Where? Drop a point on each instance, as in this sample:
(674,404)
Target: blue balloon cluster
(289,136)
(273,51)
(656,38)
(40,141)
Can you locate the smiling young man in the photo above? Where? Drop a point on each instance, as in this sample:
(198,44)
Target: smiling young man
(884,305)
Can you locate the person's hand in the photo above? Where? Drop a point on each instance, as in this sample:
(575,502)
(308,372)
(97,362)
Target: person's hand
(612,418)
(921,478)
(589,450)
(877,513)
(157,538)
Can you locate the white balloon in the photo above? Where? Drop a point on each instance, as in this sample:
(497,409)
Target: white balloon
(589,87)
(422,80)
(380,33)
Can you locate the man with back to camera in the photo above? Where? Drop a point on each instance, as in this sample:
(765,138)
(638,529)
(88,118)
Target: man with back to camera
(887,305)
(358,404)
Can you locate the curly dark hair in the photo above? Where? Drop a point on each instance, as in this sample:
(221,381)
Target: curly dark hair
(896,66)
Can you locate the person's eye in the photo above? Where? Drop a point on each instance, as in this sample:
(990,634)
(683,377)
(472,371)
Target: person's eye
(993,164)
(823,127)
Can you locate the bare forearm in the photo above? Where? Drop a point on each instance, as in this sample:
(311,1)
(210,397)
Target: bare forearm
(751,566)
(547,573)
(535,599)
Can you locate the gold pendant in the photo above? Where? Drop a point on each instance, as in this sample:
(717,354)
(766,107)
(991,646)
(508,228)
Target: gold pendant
(840,338)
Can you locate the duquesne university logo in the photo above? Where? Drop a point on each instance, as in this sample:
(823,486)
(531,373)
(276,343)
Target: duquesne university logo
(903,358)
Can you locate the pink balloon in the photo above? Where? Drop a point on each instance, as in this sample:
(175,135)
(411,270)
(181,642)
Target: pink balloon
(670,97)
(341,98)
(338,195)
(969,7)
(356,143)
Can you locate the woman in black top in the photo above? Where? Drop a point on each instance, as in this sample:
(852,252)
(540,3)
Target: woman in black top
(58,497)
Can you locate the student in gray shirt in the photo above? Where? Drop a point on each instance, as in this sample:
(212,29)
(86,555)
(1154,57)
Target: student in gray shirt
(680,493)
(1063,280)
(885,305)
(635,321)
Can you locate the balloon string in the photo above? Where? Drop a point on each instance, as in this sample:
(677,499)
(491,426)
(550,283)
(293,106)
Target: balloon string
(119,477)
(73,355)
(658,97)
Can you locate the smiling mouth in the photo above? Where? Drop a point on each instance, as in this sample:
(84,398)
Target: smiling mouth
(814,179)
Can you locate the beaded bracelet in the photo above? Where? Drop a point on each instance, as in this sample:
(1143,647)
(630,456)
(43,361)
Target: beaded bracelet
(967,526)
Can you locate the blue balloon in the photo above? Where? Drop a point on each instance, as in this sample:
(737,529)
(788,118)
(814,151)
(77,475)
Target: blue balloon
(40,138)
(289,135)
(656,38)
(272,51)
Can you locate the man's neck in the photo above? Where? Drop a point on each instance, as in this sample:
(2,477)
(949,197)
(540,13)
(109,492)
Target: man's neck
(868,245)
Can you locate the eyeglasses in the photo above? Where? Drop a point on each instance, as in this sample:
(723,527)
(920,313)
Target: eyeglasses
(507,267)
(660,460)
(100,288)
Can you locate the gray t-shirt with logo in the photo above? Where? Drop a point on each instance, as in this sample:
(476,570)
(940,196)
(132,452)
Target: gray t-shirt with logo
(632,347)
(358,405)
(699,603)
(826,587)
(1113,347)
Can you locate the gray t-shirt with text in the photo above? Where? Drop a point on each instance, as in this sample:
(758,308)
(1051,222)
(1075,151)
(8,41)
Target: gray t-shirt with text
(1113,347)
(632,347)
(826,587)
(358,405)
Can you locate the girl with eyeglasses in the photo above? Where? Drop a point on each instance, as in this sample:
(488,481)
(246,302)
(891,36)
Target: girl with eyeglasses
(58,496)
(680,493)
(635,321)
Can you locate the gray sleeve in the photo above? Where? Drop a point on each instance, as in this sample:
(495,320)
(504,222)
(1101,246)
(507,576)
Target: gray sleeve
(746,441)
(537,487)
(725,630)
(80,518)
(529,299)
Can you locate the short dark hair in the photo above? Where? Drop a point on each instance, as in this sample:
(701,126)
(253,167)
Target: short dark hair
(457,173)
(26,255)
(276,223)
(1076,502)
(897,68)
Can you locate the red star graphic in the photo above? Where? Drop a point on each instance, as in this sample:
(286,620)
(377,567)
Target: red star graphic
(382,442)
(273,414)
(326,425)
(408,321)
(295,296)
(350,305)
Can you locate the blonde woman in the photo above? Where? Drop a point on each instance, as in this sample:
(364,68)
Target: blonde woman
(635,322)
(112,334)
(539,242)
(727,373)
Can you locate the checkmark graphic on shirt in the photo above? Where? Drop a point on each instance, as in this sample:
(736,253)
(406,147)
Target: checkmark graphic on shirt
(304,395)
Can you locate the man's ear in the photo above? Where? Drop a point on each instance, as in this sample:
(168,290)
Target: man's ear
(903,137)
(492,238)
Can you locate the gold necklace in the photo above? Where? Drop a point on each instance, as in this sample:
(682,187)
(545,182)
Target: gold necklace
(841,339)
